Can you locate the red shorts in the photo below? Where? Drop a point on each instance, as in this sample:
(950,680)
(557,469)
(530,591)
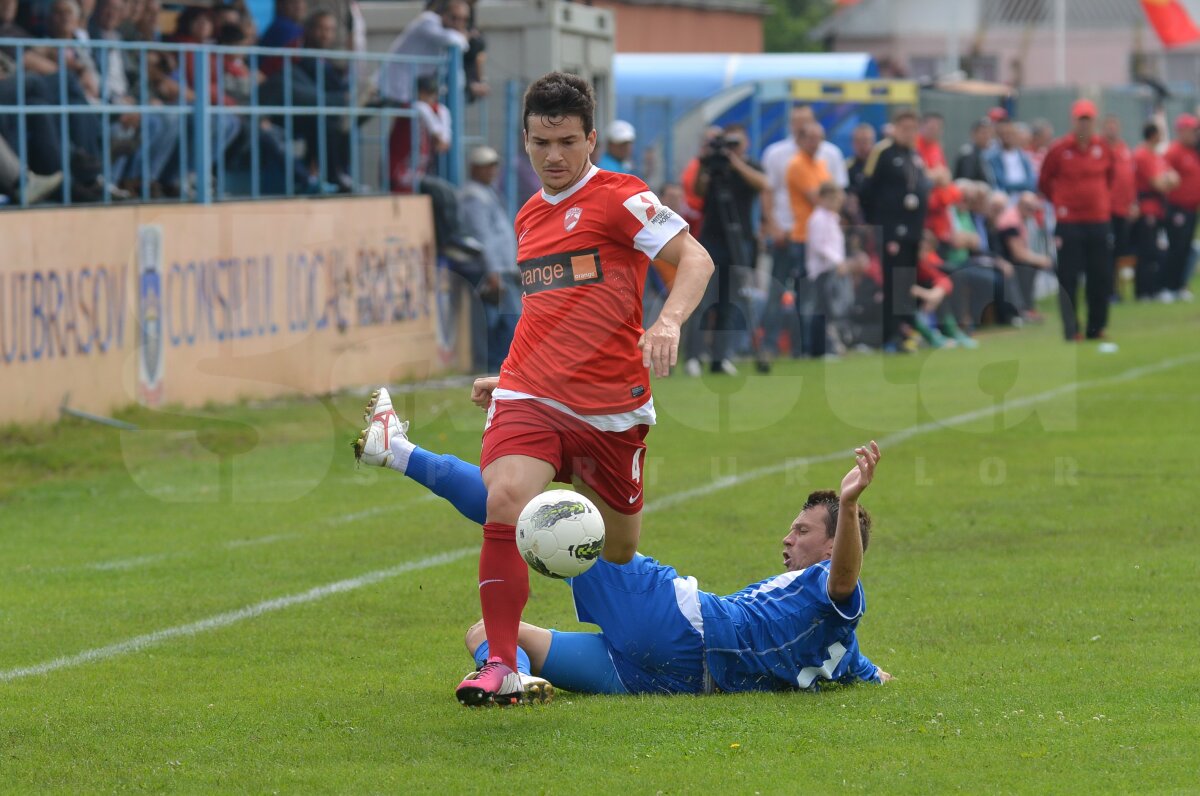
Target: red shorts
(610,462)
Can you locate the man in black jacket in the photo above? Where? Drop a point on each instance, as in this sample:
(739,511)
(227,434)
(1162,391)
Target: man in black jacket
(895,197)
(972,158)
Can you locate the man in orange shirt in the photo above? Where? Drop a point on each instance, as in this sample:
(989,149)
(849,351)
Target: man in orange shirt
(805,175)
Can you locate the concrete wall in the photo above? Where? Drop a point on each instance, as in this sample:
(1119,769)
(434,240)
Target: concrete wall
(190,304)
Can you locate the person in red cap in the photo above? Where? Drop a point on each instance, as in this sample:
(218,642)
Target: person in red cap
(1077,178)
(1182,202)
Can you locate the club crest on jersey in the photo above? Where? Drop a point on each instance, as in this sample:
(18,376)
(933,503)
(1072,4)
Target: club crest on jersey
(572,218)
(647,208)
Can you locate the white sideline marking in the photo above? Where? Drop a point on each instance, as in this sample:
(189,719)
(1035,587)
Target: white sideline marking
(233,617)
(127,563)
(321,592)
(271,539)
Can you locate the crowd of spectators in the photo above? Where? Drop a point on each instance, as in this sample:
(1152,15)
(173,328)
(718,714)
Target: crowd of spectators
(927,250)
(144,148)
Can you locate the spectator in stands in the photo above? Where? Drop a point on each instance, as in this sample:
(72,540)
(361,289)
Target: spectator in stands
(1010,167)
(828,153)
(286,30)
(929,140)
(38,188)
(972,158)
(805,176)
(475,58)
(777,219)
(159,134)
(730,182)
(44,146)
(1041,137)
(441,25)
(1124,208)
(1182,203)
(1012,224)
(931,289)
(1153,180)
(499,288)
(64,23)
(687,177)
(895,198)
(324,82)
(618,148)
(1077,178)
(825,254)
(410,173)
(976,284)
(862,141)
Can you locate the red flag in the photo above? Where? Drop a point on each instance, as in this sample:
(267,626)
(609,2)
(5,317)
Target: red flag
(1171,21)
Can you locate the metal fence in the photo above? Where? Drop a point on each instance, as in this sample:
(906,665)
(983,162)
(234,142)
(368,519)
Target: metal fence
(190,140)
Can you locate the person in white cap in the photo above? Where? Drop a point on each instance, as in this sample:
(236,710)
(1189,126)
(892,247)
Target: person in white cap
(499,284)
(618,153)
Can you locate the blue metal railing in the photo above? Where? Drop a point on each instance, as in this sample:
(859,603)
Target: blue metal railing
(201,130)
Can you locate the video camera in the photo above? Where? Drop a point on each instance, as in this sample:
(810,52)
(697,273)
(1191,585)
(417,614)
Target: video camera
(716,151)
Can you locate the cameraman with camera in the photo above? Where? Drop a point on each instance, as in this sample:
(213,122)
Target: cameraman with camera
(730,183)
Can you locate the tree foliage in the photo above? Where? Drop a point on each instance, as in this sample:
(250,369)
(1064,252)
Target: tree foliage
(786,29)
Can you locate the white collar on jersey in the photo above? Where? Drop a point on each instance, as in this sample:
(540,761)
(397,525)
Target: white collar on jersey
(574,189)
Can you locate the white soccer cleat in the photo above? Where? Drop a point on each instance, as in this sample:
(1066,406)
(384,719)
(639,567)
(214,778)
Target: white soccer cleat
(535,689)
(374,444)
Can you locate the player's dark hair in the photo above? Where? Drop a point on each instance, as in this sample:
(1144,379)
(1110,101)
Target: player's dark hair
(829,499)
(1149,131)
(558,95)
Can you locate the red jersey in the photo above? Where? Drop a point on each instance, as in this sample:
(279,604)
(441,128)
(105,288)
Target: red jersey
(1124,194)
(1148,166)
(583,256)
(930,152)
(1185,160)
(1078,180)
(941,203)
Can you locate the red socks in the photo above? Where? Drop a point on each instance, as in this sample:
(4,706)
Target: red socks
(503,590)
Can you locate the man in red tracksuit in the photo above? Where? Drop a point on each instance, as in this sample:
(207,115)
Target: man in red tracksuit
(1077,177)
(1182,157)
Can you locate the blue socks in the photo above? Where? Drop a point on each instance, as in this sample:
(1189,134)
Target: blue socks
(451,478)
(481,656)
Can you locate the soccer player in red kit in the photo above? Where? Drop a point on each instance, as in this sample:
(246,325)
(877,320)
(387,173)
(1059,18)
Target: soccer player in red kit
(572,402)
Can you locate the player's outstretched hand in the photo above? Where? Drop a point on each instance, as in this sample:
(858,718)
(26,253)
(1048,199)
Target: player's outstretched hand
(481,391)
(859,478)
(660,347)
(884,677)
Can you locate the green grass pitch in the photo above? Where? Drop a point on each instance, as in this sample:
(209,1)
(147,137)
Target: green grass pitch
(221,602)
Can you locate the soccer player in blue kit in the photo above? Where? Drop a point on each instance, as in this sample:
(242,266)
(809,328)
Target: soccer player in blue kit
(659,633)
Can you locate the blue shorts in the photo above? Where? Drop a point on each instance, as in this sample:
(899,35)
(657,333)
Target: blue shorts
(649,619)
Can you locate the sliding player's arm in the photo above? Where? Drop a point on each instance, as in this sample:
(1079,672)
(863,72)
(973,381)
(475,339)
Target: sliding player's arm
(846,561)
(660,343)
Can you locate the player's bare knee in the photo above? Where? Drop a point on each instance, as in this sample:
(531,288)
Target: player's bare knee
(505,501)
(616,552)
(475,636)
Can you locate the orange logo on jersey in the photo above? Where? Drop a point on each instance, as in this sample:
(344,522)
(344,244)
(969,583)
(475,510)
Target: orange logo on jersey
(583,267)
(572,218)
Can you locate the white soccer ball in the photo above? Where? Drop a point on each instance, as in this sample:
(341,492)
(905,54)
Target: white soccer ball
(560,533)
